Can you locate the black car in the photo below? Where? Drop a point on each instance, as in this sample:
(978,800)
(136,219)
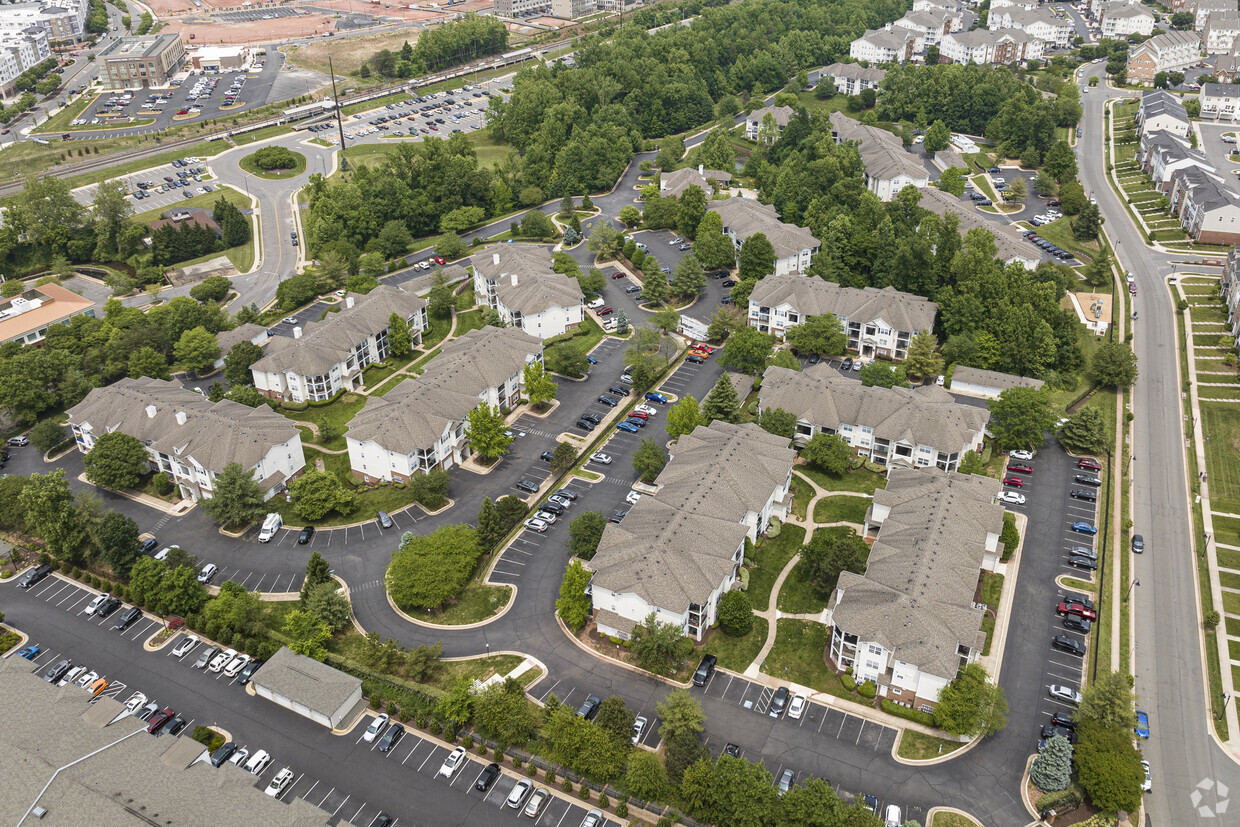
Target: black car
(526,485)
(305,536)
(609,401)
(1050,731)
(1086,479)
(1082,562)
(489,774)
(1138,544)
(108,606)
(391,737)
(729,282)
(618,390)
(779,702)
(248,672)
(1061,719)
(694,358)
(589,708)
(57,671)
(546,456)
(552,508)
(127,618)
(585,424)
(592,417)
(718,274)
(985,202)
(620,514)
(174,726)
(704,670)
(1068,644)
(1084,494)
(636,420)
(732,749)
(567,493)
(148,545)
(1077,624)
(223,754)
(847,363)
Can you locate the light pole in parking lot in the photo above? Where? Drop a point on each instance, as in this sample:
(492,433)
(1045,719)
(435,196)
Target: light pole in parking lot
(1131,586)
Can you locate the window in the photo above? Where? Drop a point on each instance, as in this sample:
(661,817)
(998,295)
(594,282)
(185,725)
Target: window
(875,649)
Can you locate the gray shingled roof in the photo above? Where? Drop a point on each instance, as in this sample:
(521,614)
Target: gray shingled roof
(1159,102)
(244,333)
(214,433)
(745,217)
(922,416)
(524,280)
(781,114)
(677,181)
(326,343)
(916,596)
(130,781)
(1166,40)
(993,378)
(882,153)
(1222,90)
(1118,9)
(812,296)
(1009,243)
(855,71)
(895,41)
(314,685)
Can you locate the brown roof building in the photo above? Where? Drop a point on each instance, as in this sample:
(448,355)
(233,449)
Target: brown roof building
(27,317)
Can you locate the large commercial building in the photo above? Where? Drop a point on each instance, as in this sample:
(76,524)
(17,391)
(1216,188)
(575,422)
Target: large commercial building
(142,62)
(27,317)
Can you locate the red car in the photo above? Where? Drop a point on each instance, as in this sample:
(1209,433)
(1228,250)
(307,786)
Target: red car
(704,348)
(1089,464)
(1015,482)
(159,719)
(617,275)
(606,310)
(1021,468)
(1076,609)
(439,259)
(638,415)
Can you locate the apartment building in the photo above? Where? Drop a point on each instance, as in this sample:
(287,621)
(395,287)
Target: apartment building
(852,78)
(1204,8)
(517,281)
(327,357)
(1208,209)
(920,427)
(64,22)
(1039,23)
(1230,286)
(190,438)
(878,322)
(795,246)
(910,622)
(889,167)
(1172,51)
(1010,245)
(1161,110)
(1119,19)
(1162,154)
(522,8)
(1220,101)
(926,26)
(990,48)
(1220,32)
(421,424)
(755,121)
(677,553)
(882,46)
(672,184)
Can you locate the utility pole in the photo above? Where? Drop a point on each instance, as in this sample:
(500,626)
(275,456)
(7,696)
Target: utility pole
(344,162)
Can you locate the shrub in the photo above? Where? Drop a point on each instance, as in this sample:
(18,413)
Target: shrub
(584,790)
(867,690)
(848,682)
(1067,799)
(498,755)
(603,801)
(622,809)
(551,776)
(532,770)
(567,786)
(893,708)
(468,742)
(516,762)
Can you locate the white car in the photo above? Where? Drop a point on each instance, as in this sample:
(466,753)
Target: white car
(185,646)
(258,763)
(600,458)
(1025,455)
(136,701)
(376,728)
(236,665)
(1148,784)
(1012,497)
(646,409)
(452,763)
(281,780)
(639,727)
(632,497)
(221,660)
(919,139)
(291,320)
(546,516)
(239,757)
(796,708)
(893,817)
(86,680)
(561,501)
(96,603)
(1065,693)
(535,524)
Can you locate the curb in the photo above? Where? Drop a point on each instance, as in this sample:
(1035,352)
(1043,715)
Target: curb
(649,675)
(425,625)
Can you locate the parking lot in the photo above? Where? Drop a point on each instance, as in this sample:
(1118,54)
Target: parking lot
(157,179)
(437,115)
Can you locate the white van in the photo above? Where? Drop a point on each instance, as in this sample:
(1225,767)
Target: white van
(270,526)
(1229,139)
(596,304)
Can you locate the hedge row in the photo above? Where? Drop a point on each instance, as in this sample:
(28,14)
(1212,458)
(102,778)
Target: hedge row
(916,715)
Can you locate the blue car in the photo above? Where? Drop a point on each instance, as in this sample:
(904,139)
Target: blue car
(627,426)
(1084,527)
(1143,724)
(592,360)
(657,397)
(29,652)
(609,401)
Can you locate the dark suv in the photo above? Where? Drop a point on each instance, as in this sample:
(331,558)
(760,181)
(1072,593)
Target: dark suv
(589,709)
(704,670)
(779,701)
(1138,543)
(34,576)
(1068,644)
(126,620)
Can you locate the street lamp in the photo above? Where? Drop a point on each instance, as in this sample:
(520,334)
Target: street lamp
(1131,586)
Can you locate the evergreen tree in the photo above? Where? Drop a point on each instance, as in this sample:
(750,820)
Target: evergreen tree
(721,403)
(400,342)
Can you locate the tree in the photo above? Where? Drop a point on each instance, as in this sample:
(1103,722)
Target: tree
(400,343)
(938,138)
(952,180)
(1108,767)
(666,320)
(659,647)
(1110,702)
(592,282)
(831,552)
(1114,365)
(1098,272)
(487,433)
(1016,191)
(540,389)
(1060,162)
(655,287)
(238,499)
(197,349)
(562,458)
(502,712)
(823,335)
(111,209)
(461,219)
(439,301)
(671,150)
(778,421)
(1085,432)
(450,246)
(690,210)
(971,704)
(726,320)
(211,289)
(47,435)
(604,241)
(427,571)
(883,375)
(735,614)
(146,361)
(971,463)
(645,778)
(117,540)
(181,593)
(307,634)
(721,403)
(238,361)
(711,246)
(1052,768)
(1182,20)
(683,417)
(922,361)
(1072,198)
(330,606)
(584,533)
(535,224)
(315,493)
(1160,80)
(757,257)
(828,453)
(614,717)
(318,573)
(573,604)
(371,265)
(1020,416)
(747,351)
(1088,223)
(117,460)
(249,396)
(682,722)
(731,791)
(648,460)
(688,278)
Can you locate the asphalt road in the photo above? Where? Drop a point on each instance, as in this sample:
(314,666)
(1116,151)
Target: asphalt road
(1169,660)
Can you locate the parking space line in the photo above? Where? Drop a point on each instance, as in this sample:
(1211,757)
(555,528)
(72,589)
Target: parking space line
(312,786)
(342,803)
(358,813)
(424,760)
(858,741)
(329,795)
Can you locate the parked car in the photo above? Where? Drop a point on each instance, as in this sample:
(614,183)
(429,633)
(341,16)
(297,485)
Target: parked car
(1011,497)
(281,780)
(222,659)
(535,524)
(785,781)
(1015,482)
(159,720)
(1077,624)
(600,458)
(1021,468)
(1084,527)
(205,657)
(57,670)
(208,572)
(391,738)
(248,672)
(488,777)
(1068,608)
(223,754)
(1086,479)
(187,643)
(705,669)
(29,652)
(1138,544)
(236,665)
(306,535)
(1087,494)
(778,702)
(526,485)
(1071,645)
(626,426)
(589,707)
(1143,724)
(258,762)
(609,401)
(537,801)
(796,707)
(639,727)
(657,397)
(1089,464)
(1080,561)
(127,618)
(519,793)
(94,605)
(1064,693)
(384,520)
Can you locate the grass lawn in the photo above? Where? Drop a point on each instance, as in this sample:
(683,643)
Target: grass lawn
(1231,603)
(369,503)
(1059,233)
(1080,585)
(835,103)
(338,464)
(1229,579)
(769,558)
(840,509)
(944,819)
(377,372)
(247,164)
(801,496)
(1228,558)
(992,587)
(1233,626)
(1227,530)
(435,334)
(799,656)
(64,118)
(335,414)
(390,385)
(490,151)
(861,480)
(477,602)
(918,746)
(798,595)
(467,321)
(260,134)
(736,653)
(206,201)
(1221,423)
